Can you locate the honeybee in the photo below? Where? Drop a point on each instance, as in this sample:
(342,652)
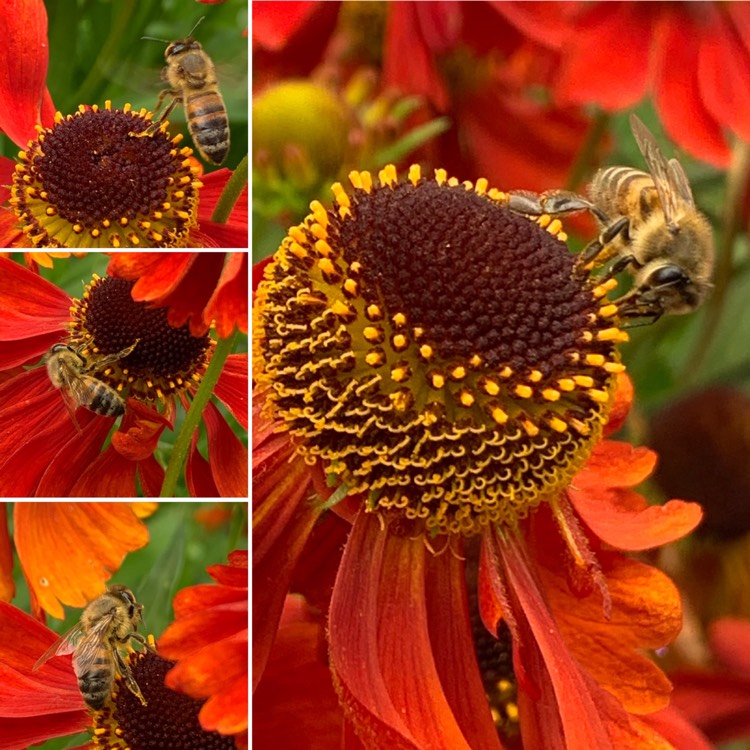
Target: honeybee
(649,221)
(107,624)
(68,370)
(191,75)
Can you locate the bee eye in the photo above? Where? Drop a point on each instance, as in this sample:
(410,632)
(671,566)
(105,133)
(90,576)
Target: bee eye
(668,276)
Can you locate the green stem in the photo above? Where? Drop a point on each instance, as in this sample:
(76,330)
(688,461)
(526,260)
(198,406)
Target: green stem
(224,348)
(586,156)
(737,177)
(231,193)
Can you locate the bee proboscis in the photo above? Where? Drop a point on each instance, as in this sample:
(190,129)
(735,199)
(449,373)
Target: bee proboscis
(71,373)
(191,75)
(107,624)
(649,223)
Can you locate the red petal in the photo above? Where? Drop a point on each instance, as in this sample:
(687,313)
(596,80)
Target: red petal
(590,73)
(31,305)
(23,68)
(730,643)
(718,704)
(7,584)
(200,481)
(455,659)
(573,711)
(226,454)
(380,646)
(231,388)
(724,69)
(420,76)
(671,724)
(678,96)
(282,519)
(110,475)
(228,304)
(295,705)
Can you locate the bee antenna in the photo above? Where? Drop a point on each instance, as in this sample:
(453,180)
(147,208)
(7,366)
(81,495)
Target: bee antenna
(155,39)
(197,24)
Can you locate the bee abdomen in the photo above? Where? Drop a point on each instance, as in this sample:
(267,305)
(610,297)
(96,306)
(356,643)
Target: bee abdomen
(208,124)
(106,401)
(96,685)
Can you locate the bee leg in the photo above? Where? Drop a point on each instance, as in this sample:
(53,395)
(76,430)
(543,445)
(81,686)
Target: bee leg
(127,675)
(110,358)
(156,124)
(143,641)
(553,202)
(590,253)
(640,302)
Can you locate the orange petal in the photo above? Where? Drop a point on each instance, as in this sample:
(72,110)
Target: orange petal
(622,518)
(615,464)
(69,550)
(646,614)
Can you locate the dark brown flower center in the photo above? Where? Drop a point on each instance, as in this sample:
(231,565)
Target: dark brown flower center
(440,353)
(169,721)
(93,181)
(164,360)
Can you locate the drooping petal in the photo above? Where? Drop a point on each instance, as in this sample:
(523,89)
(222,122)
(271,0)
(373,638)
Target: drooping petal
(570,712)
(380,646)
(69,550)
(455,658)
(295,704)
(283,516)
(721,49)
(7,584)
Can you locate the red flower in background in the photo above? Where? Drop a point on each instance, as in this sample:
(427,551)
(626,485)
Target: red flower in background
(465,60)
(717,698)
(691,58)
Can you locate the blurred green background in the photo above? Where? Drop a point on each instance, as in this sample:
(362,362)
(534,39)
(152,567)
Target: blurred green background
(180,549)
(96,53)
(71,274)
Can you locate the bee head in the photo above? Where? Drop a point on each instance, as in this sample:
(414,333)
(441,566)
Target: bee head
(182,45)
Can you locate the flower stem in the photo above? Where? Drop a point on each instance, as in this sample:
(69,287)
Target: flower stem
(224,348)
(737,177)
(231,194)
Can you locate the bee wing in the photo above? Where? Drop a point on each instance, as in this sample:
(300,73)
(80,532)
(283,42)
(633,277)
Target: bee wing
(679,179)
(89,647)
(65,644)
(669,177)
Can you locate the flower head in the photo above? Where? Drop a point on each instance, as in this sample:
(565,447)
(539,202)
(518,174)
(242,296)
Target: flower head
(158,368)
(472,368)
(441,371)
